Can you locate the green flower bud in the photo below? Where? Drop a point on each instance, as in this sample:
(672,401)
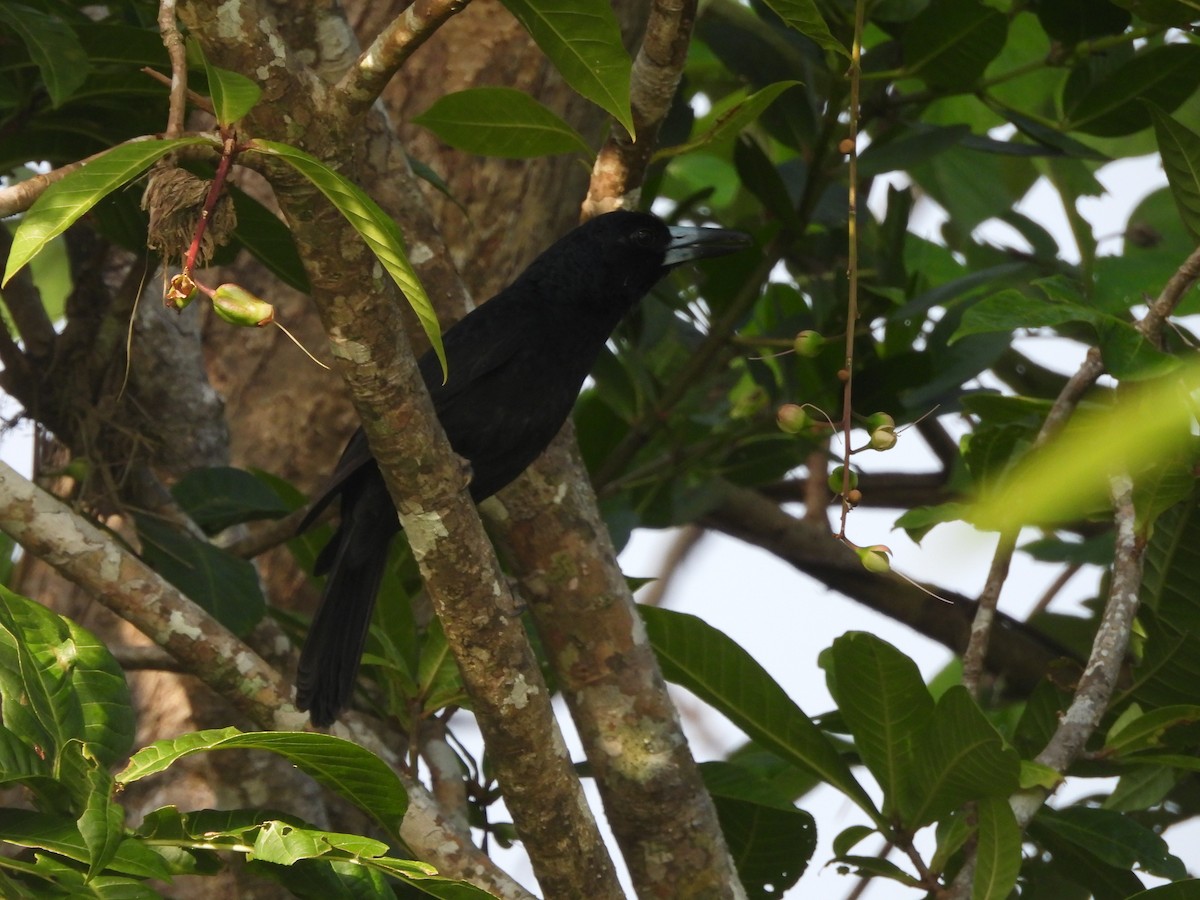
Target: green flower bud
(238,306)
(875,559)
(836,478)
(883,439)
(878,420)
(792,418)
(808,343)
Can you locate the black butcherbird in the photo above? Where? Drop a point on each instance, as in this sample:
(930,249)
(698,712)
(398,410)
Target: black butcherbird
(516,365)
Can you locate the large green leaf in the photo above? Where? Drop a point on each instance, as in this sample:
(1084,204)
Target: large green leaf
(343,767)
(60,835)
(805,17)
(223,584)
(1113,103)
(710,665)
(72,196)
(1180,149)
(1113,838)
(500,122)
(1070,475)
(53,46)
(952,41)
(218,497)
(375,227)
(729,122)
(583,40)
(233,94)
(102,821)
(959,757)
(884,703)
(997,850)
(60,684)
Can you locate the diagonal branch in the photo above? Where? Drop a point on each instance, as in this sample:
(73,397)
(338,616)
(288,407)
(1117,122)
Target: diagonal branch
(366,79)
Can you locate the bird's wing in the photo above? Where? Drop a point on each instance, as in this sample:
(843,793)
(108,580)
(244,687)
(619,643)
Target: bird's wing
(478,345)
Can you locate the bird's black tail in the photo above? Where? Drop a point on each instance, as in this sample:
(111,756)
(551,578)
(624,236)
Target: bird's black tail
(355,559)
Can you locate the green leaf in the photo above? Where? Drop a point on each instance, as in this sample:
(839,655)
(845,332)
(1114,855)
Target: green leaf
(1113,838)
(343,767)
(284,843)
(1188,889)
(583,40)
(850,837)
(885,704)
(218,497)
(960,757)
(920,520)
(58,683)
(500,122)
(805,17)
(374,226)
(1180,149)
(1145,731)
(1115,103)
(998,851)
(771,847)
(102,822)
(60,835)
(221,583)
(1070,475)
(952,41)
(1011,309)
(705,661)
(53,46)
(233,94)
(729,122)
(874,867)
(69,198)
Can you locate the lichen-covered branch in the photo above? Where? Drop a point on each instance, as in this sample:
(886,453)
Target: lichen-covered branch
(366,79)
(660,813)
(621,163)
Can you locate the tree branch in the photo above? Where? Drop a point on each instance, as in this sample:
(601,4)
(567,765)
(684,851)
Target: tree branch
(660,813)
(1017,652)
(621,163)
(366,79)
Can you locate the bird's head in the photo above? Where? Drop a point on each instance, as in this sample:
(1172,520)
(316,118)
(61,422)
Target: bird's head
(618,257)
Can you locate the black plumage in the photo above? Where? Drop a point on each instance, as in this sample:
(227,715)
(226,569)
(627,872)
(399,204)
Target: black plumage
(516,365)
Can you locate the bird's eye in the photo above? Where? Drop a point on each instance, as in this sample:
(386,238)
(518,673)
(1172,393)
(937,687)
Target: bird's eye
(643,237)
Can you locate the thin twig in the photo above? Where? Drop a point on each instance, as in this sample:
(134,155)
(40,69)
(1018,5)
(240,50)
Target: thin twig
(681,548)
(197,100)
(985,613)
(847,373)
(1151,324)
(376,65)
(173,41)
(1053,590)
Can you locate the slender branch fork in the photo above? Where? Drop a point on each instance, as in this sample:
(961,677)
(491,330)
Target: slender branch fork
(1112,637)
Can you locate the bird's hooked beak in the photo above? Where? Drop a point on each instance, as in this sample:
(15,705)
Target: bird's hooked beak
(689,243)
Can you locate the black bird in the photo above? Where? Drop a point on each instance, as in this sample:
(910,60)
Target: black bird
(516,365)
